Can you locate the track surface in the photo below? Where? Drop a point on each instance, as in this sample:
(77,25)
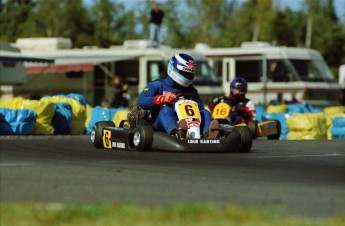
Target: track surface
(304,178)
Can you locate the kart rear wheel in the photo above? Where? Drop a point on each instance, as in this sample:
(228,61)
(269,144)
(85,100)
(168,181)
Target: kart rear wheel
(246,138)
(143,137)
(96,133)
(276,136)
(253,127)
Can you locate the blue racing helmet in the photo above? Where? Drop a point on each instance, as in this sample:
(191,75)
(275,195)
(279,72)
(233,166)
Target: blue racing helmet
(181,69)
(239,84)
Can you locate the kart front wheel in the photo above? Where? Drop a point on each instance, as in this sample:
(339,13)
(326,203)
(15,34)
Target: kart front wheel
(97,130)
(143,137)
(246,138)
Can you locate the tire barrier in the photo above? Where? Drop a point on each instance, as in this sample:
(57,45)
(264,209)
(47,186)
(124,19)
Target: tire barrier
(17,122)
(307,126)
(43,108)
(338,128)
(101,114)
(282,108)
(70,114)
(78,112)
(62,120)
(303,108)
(260,111)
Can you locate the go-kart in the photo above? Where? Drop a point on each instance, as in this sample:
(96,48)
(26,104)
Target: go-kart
(268,128)
(143,137)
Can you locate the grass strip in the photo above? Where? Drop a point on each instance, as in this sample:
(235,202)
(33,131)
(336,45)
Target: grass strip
(33,214)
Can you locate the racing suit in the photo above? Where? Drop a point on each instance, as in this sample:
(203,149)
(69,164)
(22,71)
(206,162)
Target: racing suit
(164,117)
(242,109)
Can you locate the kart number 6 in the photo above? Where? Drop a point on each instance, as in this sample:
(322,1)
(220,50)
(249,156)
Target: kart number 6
(189,110)
(106,138)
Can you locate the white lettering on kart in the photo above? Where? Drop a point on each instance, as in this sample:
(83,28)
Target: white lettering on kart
(118,145)
(203,141)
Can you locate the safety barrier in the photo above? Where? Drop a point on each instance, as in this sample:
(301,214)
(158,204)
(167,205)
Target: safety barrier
(70,114)
(303,121)
(61,114)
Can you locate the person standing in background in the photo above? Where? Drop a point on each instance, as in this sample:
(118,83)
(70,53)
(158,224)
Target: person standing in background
(120,90)
(155,24)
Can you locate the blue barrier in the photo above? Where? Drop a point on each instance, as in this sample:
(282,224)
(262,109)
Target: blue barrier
(338,132)
(17,122)
(338,122)
(5,127)
(62,120)
(300,108)
(338,128)
(78,97)
(101,114)
(260,111)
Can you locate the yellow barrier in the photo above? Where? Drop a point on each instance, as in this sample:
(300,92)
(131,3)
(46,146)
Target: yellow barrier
(307,126)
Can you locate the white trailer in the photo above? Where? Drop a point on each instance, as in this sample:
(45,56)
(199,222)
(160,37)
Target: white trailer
(90,70)
(272,70)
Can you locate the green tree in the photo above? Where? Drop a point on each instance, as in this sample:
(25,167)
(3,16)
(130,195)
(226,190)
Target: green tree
(210,20)
(241,27)
(197,21)
(12,15)
(105,14)
(77,23)
(176,30)
(64,18)
(126,28)
(284,29)
(327,33)
(264,16)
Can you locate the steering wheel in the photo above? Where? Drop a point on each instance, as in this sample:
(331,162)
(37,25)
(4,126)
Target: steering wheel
(185,96)
(221,99)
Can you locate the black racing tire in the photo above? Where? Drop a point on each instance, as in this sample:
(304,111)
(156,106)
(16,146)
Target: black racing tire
(96,133)
(246,138)
(276,136)
(253,127)
(146,136)
(123,123)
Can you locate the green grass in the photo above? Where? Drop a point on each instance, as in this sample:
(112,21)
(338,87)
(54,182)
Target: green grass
(28,214)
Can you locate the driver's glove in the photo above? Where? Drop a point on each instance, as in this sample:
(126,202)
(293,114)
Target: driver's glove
(215,100)
(213,103)
(167,99)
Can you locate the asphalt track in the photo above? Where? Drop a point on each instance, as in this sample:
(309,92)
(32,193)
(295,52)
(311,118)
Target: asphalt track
(301,178)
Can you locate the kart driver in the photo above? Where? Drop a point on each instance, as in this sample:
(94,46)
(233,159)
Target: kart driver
(242,108)
(158,96)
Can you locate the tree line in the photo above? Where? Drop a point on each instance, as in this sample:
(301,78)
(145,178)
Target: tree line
(219,23)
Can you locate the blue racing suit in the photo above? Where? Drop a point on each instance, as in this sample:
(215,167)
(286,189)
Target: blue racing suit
(164,117)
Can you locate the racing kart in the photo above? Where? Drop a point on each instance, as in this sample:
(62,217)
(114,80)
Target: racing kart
(143,137)
(268,128)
